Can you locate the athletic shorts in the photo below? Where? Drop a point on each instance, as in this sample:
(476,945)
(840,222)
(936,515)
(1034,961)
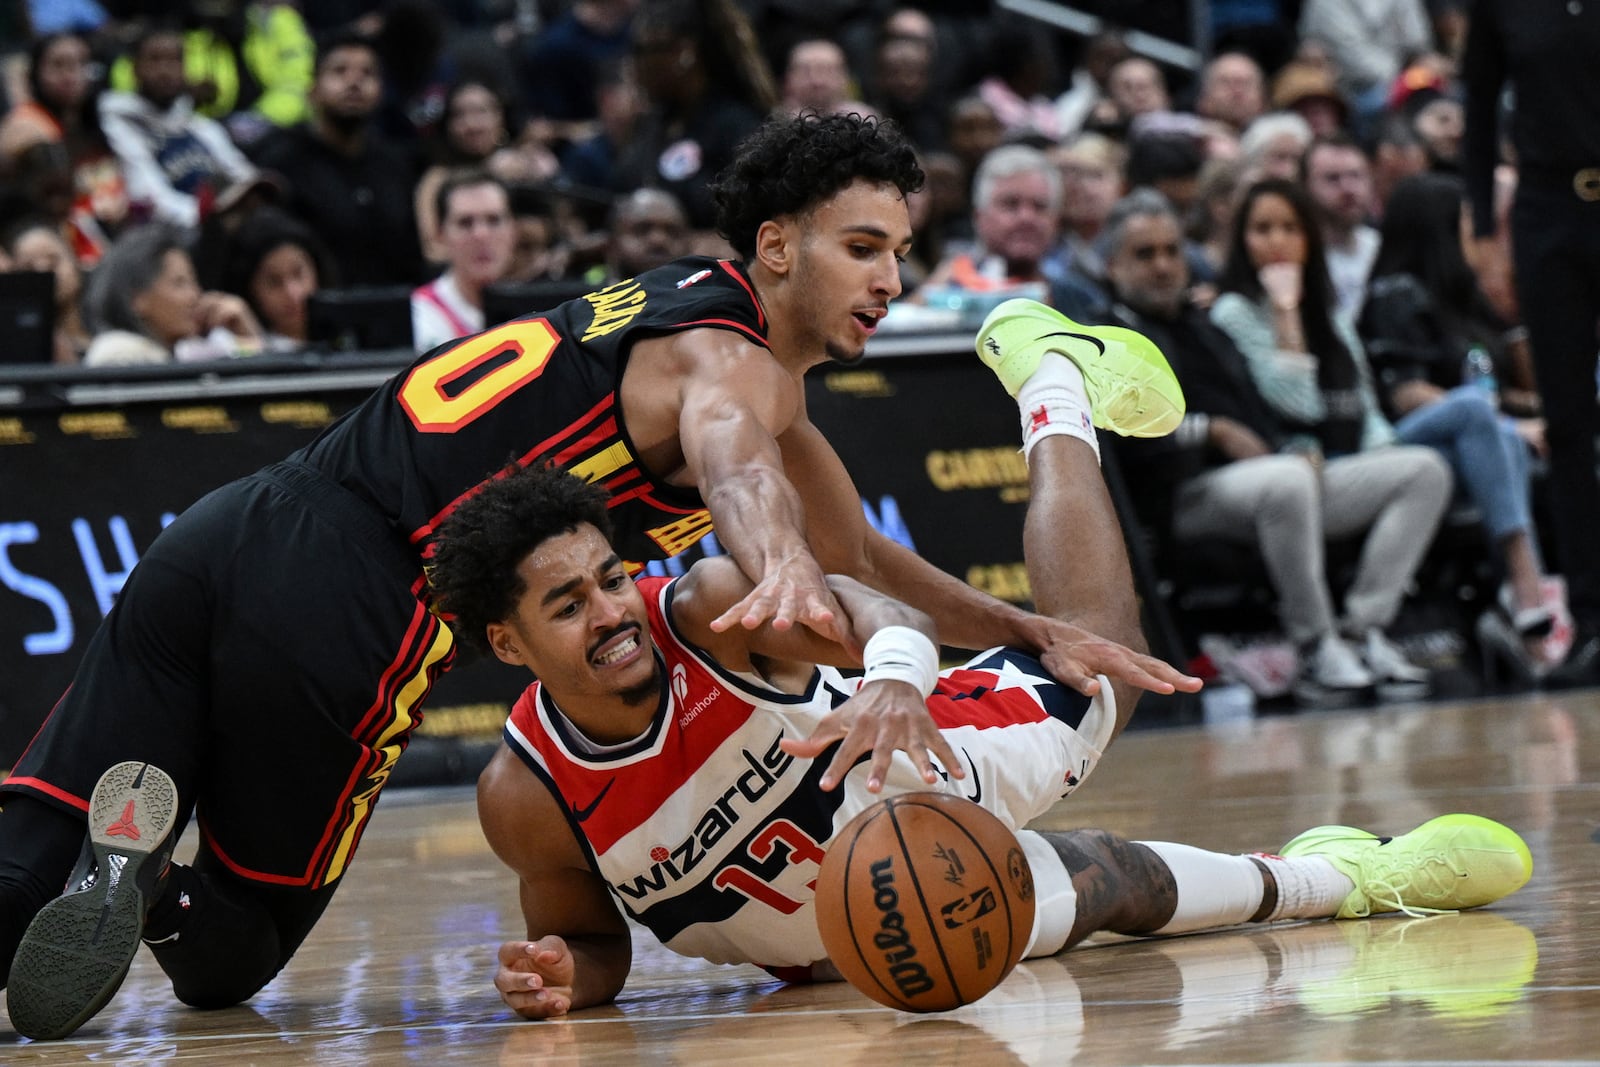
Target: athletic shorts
(271,653)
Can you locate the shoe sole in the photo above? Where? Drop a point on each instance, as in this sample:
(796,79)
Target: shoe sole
(77,950)
(1134,393)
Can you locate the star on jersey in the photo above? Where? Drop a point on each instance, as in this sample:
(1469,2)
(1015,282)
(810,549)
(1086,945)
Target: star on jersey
(1010,675)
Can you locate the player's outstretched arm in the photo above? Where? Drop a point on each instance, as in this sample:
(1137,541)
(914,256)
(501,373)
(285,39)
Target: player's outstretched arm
(578,951)
(966,618)
(734,400)
(897,644)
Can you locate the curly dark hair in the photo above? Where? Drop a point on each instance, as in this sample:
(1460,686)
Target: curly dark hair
(473,573)
(789,166)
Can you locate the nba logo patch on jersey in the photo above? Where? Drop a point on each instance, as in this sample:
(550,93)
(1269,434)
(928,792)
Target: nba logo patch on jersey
(697,276)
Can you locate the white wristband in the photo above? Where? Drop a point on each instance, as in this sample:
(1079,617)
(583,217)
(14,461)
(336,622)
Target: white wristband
(902,654)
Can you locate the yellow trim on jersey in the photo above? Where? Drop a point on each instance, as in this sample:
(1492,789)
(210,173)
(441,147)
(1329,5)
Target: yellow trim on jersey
(400,724)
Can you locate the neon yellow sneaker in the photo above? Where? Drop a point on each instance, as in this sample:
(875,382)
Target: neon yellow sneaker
(1132,390)
(1446,864)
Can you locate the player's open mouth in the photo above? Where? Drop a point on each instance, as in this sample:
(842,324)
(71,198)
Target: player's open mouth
(869,319)
(618,650)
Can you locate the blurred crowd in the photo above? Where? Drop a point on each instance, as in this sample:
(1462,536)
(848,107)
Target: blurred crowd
(1285,214)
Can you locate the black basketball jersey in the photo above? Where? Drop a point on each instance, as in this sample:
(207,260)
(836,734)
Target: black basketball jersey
(540,389)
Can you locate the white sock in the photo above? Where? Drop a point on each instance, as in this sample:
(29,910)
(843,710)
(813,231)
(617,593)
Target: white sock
(1213,889)
(1054,401)
(1308,887)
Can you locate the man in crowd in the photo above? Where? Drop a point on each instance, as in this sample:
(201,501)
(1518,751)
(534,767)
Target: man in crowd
(1339,178)
(353,188)
(175,161)
(475,227)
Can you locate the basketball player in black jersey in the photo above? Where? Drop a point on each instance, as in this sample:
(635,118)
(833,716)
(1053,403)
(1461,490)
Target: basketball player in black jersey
(269,656)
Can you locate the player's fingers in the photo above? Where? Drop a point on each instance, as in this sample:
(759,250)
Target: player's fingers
(517,954)
(843,759)
(946,755)
(754,606)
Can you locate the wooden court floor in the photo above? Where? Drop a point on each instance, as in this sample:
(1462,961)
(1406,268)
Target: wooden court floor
(400,969)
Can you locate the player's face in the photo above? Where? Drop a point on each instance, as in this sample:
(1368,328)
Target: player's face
(580,625)
(847,267)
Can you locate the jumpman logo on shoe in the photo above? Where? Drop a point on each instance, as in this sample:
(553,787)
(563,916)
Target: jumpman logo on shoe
(125,826)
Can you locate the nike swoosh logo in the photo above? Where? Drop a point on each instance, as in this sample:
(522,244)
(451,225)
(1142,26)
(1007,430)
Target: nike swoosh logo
(977,786)
(582,814)
(1099,345)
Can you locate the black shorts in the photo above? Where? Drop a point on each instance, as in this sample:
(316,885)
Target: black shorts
(271,653)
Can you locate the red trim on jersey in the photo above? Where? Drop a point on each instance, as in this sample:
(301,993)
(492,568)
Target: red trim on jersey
(1006,707)
(40,786)
(578,425)
(728,324)
(761,312)
(240,869)
(641,787)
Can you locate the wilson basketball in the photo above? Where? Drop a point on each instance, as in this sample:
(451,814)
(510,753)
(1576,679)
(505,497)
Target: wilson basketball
(925,902)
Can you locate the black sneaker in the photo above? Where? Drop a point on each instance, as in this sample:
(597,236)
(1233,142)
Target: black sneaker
(77,950)
(1581,668)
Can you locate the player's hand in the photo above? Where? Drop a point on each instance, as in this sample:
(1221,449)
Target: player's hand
(1074,656)
(535,977)
(795,591)
(882,717)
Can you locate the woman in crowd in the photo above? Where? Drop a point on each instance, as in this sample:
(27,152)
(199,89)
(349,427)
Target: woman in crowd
(1276,304)
(477,131)
(275,264)
(37,245)
(1439,352)
(145,306)
(62,111)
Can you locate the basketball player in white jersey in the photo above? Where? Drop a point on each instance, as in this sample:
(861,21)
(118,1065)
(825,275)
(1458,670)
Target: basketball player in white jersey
(682,776)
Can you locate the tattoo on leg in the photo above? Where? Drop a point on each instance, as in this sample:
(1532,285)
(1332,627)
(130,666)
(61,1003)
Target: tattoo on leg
(1121,885)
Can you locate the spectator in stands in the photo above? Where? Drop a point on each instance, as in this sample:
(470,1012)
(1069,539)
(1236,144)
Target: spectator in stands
(1370,40)
(708,89)
(63,108)
(1232,90)
(1170,164)
(1020,68)
(475,229)
(1091,183)
(145,306)
(248,65)
(1310,91)
(275,262)
(974,130)
(560,69)
(1339,179)
(1016,211)
(1273,145)
(175,160)
(1137,87)
(817,77)
(1210,221)
(476,132)
(1226,474)
(410,43)
(1427,325)
(1086,104)
(647,228)
(352,187)
(1397,153)
(37,245)
(905,88)
(591,161)
(1308,365)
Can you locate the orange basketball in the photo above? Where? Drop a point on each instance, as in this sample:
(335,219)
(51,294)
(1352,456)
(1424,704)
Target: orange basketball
(925,902)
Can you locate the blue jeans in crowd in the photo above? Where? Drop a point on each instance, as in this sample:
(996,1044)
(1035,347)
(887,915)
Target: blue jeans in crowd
(1484,451)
